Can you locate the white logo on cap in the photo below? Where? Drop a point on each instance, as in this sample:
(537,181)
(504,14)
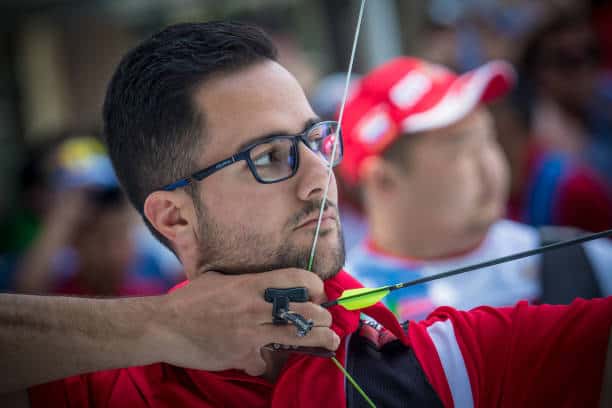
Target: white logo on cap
(374,126)
(409,90)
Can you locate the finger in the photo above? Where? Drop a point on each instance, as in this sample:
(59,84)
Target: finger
(261,312)
(320,316)
(255,366)
(256,312)
(318,337)
(291,278)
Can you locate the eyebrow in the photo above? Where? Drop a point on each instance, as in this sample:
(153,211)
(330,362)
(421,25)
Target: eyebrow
(307,125)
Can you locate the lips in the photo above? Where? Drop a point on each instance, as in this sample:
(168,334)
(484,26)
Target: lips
(312,221)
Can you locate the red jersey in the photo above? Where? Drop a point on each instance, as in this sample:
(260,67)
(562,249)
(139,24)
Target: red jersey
(520,356)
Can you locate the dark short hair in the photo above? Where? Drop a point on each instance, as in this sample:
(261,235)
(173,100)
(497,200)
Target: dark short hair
(151,124)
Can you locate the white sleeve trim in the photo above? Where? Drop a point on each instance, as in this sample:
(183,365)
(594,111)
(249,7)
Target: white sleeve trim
(443,336)
(600,255)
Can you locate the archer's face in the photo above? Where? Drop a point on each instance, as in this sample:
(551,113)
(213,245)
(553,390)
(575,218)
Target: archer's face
(245,226)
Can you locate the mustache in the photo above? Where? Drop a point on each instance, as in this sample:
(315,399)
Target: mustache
(311,208)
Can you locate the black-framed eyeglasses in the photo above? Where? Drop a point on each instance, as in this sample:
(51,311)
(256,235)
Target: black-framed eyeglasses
(277,158)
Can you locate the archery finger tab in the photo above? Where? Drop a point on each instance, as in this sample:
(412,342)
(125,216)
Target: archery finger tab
(303,325)
(280,298)
(299,294)
(294,277)
(281,314)
(318,337)
(319,315)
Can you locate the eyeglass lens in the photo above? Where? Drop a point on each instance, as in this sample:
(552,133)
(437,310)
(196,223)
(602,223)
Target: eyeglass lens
(276,159)
(273,160)
(321,139)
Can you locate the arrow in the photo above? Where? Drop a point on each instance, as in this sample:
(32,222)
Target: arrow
(355,299)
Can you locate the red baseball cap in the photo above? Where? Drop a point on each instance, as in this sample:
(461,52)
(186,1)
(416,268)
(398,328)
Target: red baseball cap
(408,95)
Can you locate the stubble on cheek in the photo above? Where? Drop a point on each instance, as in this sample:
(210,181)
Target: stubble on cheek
(238,250)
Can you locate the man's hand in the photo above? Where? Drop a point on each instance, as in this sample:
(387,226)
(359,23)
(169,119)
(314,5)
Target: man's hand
(219,322)
(216,322)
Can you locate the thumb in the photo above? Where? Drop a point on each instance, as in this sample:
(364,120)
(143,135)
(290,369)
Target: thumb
(256,366)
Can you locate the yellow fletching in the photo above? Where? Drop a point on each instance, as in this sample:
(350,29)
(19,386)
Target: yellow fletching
(354,299)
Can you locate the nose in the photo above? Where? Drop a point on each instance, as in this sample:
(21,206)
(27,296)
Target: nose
(312,175)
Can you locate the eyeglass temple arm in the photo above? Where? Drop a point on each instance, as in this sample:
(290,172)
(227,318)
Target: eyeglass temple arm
(177,184)
(202,174)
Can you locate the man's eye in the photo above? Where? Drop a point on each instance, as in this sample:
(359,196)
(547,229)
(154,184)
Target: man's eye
(266,158)
(262,159)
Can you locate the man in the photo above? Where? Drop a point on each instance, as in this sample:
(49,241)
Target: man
(421,145)
(549,187)
(566,90)
(211,97)
(89,211)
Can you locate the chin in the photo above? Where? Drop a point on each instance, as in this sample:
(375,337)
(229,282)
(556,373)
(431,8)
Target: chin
(482,224)
(326,271)
(329,258)
(491,212)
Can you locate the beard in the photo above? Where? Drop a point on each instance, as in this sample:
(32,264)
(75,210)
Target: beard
(235,250)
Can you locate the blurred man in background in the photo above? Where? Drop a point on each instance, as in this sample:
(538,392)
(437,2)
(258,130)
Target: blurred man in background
(85,245)
(21,225)
(548,187)
(421,145)
(567,91)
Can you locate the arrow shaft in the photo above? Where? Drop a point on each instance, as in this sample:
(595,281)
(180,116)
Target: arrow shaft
(492,262)
(503,259)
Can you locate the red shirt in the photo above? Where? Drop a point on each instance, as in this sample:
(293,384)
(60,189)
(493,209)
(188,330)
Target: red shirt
(521,356)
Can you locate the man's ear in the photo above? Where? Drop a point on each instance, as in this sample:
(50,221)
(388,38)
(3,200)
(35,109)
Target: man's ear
(377,175)
(168,213)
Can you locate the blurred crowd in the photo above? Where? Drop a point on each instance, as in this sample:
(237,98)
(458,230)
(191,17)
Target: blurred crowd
(72,230)
(554,126)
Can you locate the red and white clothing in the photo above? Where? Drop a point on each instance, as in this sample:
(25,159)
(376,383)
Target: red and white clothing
(499,285)
(521,356)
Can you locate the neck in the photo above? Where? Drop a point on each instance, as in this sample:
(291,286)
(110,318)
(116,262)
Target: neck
(421,243)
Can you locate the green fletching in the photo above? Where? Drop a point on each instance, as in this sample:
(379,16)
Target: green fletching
(355,299)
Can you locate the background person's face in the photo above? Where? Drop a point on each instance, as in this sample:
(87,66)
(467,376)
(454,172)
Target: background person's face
(568,67)
(246,226)
(456,179)
(105,247)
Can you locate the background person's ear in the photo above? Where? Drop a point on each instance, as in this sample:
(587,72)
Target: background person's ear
(377,175)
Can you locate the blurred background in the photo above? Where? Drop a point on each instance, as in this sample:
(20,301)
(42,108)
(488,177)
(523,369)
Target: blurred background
(64,224)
